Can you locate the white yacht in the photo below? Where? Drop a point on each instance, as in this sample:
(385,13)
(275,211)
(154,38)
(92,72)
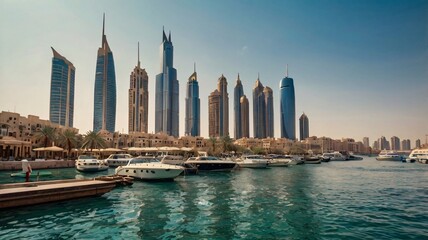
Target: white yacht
(420,155)
(210,163)
(337,156)
(388,156)
(149,168)
(279,160)
(116,160)
(87,163)
(252,161)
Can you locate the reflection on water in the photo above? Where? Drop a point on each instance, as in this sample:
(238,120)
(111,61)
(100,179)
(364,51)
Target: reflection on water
(340,200)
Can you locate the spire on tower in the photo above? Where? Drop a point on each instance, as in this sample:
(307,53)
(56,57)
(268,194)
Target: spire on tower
(164,36)
(138,54)
(169,37)
(286,73)
(194,67)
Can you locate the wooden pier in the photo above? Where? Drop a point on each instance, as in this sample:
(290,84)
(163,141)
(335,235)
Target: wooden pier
(30,193)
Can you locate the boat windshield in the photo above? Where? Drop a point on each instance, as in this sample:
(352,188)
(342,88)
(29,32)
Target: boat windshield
(143,160)
(86,157)
(120,156)
(208,158)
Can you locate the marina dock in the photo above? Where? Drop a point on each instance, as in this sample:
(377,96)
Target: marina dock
(30,193)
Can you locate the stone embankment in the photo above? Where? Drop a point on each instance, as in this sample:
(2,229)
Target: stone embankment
(16,165)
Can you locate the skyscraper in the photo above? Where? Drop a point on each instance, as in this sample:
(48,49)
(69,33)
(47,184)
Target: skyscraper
(366,142)
(238,93)
(395,143)
(259,110)
(167,87)
(304,127)
(269,111)
(214,114)
(61,109)
(193,107)
(138,99)
(218,104)
(245,117)
(418,143)
(105,88)
(288,108)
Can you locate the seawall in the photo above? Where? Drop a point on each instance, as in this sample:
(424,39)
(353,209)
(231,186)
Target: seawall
(16,165)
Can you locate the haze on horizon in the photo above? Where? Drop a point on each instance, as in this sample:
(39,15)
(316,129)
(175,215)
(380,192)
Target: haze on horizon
(360,68)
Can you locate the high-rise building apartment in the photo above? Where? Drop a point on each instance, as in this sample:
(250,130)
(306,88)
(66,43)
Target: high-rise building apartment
(376,145)
(405,144)
(366,142)
(61,108)
(395,143)
(259,110)
(288,108)
(105,88)
(214,114)
(238,93)
(418,143)
(383,144)
(269,111)
(218,104)
(304,126)
(138,99)
(193,107)
(167,89)
(245,117)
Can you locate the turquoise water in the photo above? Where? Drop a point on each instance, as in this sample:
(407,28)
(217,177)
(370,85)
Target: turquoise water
(337,200)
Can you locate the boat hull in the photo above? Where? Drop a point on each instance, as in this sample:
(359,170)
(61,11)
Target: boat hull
(214,166)
(150,173)
(388,158)
(253,164)
(91,169)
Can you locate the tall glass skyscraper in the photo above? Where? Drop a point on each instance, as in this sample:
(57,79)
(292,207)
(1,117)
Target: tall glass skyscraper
(166,97)
(288,108)
(304,126)
(245,117)
(61,109)
(138,99)
(193,107)
(105,88)
(238,93)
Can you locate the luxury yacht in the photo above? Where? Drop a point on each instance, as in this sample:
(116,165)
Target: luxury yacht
(420,155)
(388,156)
(252,161)
(86,163)
(210,163)
(149,168)
(116,160)
(279,160)
(335,156)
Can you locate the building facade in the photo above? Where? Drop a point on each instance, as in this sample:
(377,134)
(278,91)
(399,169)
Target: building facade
(105,88)
(245,117)
(405,145)
(287,108)
(259,110)
(418,143)
(214,100)
(193,107)
(304,126)
(218,110)
(167,92)
(366,142)
(138,99)
(61,107)
(238,93)
(269,112)
(395,143)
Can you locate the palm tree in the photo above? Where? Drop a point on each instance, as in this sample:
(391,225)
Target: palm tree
(213,141)
(68,139)
(93,140)
(47,133)
(227,141)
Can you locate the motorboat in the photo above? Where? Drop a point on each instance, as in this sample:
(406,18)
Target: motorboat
(279,160)
(179,161)
(351,156)
(337,156)
(149,168)
(296,160)
(252,161)
(211,163)
(87,163)
(312,160)
(388,156)
(116,160)
(420,155)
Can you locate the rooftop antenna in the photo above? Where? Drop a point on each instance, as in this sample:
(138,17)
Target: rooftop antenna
(258,76)
(286,73)
(194,66)
(138,54)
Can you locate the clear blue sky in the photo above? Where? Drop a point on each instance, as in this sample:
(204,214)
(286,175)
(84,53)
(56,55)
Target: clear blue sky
(360,68)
